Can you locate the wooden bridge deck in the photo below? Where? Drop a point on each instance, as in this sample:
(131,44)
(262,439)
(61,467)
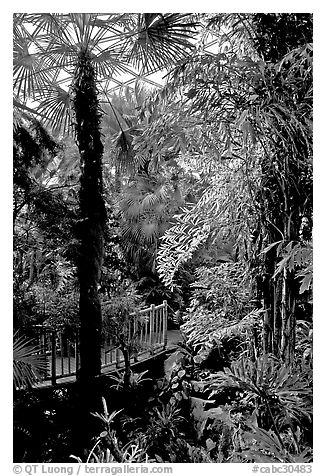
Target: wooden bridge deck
(173,337)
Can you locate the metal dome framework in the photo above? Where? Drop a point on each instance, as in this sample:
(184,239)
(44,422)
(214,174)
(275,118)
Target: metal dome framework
(154,78)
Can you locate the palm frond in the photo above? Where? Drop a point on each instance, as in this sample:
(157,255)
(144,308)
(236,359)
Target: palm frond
(29,364)
(55,106)
(29,72)
(126,160)
(161,40)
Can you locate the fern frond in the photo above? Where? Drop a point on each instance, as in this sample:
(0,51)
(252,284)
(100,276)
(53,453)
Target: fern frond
(192,228)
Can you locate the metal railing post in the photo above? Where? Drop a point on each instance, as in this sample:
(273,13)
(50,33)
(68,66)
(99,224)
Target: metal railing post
(118,356)
(61,352)
(68,354)
(160,325)
(53,358)
(77,350)
(151,327)
(136,339)
(165,323)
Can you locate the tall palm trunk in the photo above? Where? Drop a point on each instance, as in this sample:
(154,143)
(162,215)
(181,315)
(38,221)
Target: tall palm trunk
(92,209)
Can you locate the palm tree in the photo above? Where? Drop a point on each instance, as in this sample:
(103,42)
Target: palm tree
(147,190)
(62,62)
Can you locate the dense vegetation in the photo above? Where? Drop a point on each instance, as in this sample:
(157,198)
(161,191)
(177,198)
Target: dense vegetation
(198,192)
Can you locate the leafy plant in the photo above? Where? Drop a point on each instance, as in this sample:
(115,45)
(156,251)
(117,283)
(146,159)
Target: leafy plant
(304,345)
(122,325)
(220,322)
(279,397)
(225,287)
(107,448)
(135,380)
(295,257)
(265,447)
(162,437)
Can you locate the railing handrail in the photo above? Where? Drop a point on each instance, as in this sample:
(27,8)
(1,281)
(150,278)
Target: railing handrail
(76,326)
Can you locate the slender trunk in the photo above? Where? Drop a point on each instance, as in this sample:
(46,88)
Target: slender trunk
(277,318)
(288,319)
(284,314)
(268,304)
(127,372)
(31,269)
(288,286)
(92,210)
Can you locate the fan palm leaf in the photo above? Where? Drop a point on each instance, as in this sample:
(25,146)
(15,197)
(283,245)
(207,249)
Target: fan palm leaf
(55,105)
(28,364)
(162,39)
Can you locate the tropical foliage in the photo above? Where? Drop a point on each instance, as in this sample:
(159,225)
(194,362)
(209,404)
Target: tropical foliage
(195,189)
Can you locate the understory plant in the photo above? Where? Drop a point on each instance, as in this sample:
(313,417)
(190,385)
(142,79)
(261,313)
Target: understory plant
(245,406)
(266,416)
(225,287)
(122,326)
(255,410)
(158,437)
(222,318)
(135,380)
(108,449)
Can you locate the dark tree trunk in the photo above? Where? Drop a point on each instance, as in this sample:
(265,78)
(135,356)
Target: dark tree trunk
(92,210)
(268,303)
(127,372)
(277,317)
(272,226)
(289,320)
(281,222)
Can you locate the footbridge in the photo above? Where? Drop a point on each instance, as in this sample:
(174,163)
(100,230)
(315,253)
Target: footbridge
(147,330)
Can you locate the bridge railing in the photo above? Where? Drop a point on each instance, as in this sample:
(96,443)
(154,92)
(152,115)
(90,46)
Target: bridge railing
(148,331)
(61,347)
